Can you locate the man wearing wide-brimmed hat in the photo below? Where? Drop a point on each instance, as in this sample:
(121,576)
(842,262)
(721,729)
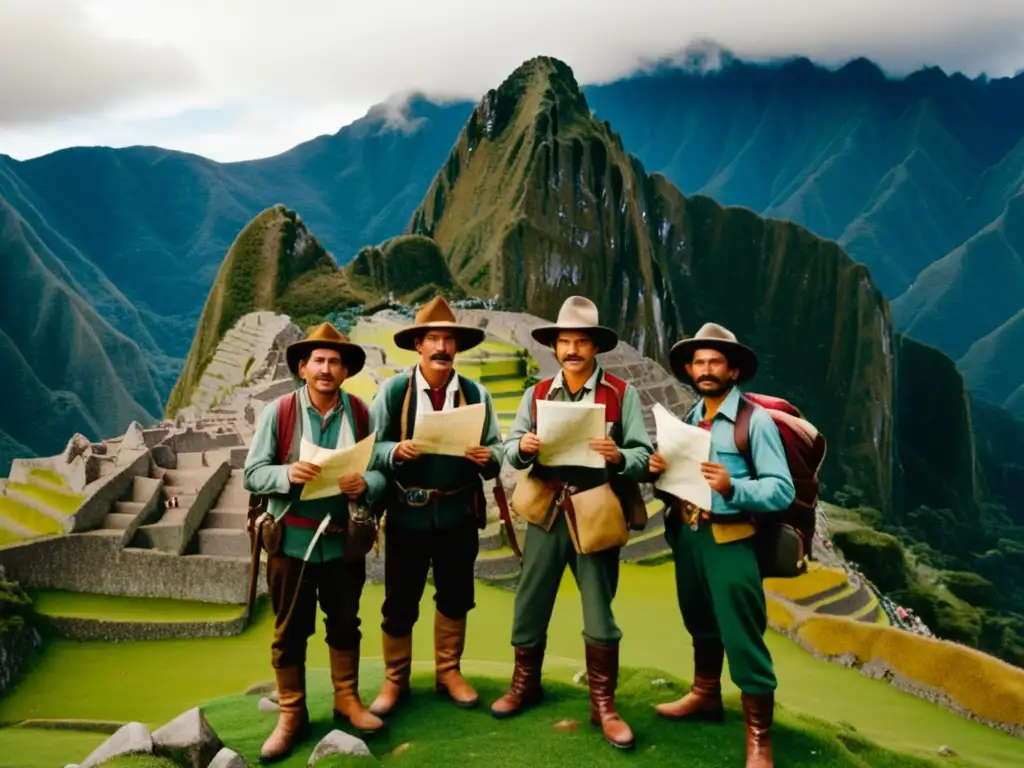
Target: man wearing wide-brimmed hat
(718,582)
(434,503)
(554,510)
(306,539)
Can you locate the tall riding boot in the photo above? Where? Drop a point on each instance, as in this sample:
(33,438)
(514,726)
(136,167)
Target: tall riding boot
(449,642)
(759,713)
(704,701)
(293,717)
(603,676)
(525,691)
(397,665)
(345,676)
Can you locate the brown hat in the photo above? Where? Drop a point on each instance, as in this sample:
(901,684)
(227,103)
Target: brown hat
(713,336)
(578,314)
(437,314)
(326,336)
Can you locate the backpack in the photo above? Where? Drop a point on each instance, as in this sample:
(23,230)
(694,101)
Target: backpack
(805,450)
(609,392)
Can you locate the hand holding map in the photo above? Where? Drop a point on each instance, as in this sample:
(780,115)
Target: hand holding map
(565,431)
(333,465)
(450,433)
(684,448)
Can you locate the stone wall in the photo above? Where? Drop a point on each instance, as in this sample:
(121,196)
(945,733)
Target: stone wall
(131,631)
(91,562)
(94,509)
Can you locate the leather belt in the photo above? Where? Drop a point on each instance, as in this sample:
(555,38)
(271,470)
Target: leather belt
(421,497)
(290,518)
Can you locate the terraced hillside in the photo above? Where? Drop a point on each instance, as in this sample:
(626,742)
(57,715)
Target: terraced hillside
(40,504)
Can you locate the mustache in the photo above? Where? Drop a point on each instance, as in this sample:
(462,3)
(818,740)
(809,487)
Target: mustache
(573,358)
(441,356)
(712,379)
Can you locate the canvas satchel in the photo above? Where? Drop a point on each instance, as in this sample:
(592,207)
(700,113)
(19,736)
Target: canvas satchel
(596,520)
(532,499)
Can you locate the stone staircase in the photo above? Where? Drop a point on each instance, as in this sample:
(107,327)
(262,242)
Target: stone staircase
(139,506)
(223,530)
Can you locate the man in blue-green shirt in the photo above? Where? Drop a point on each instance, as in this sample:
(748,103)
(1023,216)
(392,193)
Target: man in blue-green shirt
(718,583)
(310,564)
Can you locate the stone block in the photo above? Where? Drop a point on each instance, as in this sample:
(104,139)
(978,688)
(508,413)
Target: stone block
(188,740)
(133,738)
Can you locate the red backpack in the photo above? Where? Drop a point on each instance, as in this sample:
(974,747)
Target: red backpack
(805,451)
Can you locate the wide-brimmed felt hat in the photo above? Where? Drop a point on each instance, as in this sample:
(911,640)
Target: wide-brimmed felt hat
(717,337)
(326,336)
(578,313)
(437,315)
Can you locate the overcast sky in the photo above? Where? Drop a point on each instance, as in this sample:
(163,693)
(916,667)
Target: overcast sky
(237,79)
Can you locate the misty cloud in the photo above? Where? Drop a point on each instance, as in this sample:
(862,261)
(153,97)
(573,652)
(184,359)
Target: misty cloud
(314,58)
(53,64)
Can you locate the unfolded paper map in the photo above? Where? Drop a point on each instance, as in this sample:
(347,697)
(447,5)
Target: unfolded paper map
(565,431)
(450,433)
(333,463)
(684,447)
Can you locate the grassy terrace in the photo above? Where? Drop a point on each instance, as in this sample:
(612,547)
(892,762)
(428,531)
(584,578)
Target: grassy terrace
(154,681)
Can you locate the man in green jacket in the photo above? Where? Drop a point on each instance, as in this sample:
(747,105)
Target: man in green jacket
(576,339)
(434,503)
(309,564)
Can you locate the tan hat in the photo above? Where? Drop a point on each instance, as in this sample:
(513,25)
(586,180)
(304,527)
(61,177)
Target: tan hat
(326,336)
(578,313)
(713,336)
(437,314)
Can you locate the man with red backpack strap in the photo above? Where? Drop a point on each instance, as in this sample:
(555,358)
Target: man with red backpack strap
(306,540)
(718,582)
(576,338)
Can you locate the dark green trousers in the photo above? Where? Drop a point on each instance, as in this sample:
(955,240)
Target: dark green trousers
(721,597)
(545,555)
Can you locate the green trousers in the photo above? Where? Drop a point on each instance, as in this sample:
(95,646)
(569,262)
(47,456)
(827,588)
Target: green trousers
(721,597)
(545,555)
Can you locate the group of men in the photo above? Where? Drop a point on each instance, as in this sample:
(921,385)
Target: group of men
(434,505)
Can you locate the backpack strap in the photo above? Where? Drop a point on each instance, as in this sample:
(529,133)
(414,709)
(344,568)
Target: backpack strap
(540,392)
(360,417)
(741,433)
(406,401)
(286,406)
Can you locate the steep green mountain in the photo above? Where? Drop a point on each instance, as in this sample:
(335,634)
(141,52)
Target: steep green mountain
(902,172)
(538,200)
(66,369)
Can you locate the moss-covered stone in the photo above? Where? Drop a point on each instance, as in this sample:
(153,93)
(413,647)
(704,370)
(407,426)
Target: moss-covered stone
(879,555)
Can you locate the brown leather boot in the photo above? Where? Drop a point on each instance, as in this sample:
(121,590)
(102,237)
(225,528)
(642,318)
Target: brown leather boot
(525,691)
(397,665)
(759,712)
(449,642)
(602,676)
(293,717)
(704,701)
(345,676)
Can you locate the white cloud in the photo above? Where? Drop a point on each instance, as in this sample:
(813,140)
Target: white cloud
(284,71)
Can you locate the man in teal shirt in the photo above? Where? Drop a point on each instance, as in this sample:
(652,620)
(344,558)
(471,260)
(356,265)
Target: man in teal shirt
(310,563)
(434,503)
(576,339)
(718,583)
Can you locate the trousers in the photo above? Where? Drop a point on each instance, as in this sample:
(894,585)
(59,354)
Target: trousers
(336,584)
(721,597)
(410,554)
(545,556)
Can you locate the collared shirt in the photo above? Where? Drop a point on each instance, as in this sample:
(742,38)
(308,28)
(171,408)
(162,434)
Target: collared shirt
(328,430)
(586,393)
(773,488)
(425,404)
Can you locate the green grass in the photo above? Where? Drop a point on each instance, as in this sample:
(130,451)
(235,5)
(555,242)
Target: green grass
(83,605)
(93,680)
(27,517)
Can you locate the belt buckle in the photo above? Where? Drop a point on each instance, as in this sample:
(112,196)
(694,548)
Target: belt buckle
(417,497)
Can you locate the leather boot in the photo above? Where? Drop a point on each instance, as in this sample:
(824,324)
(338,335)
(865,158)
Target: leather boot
(345,676)
(525,690)
(449,642)
(758,712)
(704,701)
(397,665)
(603,676)
(293,717)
